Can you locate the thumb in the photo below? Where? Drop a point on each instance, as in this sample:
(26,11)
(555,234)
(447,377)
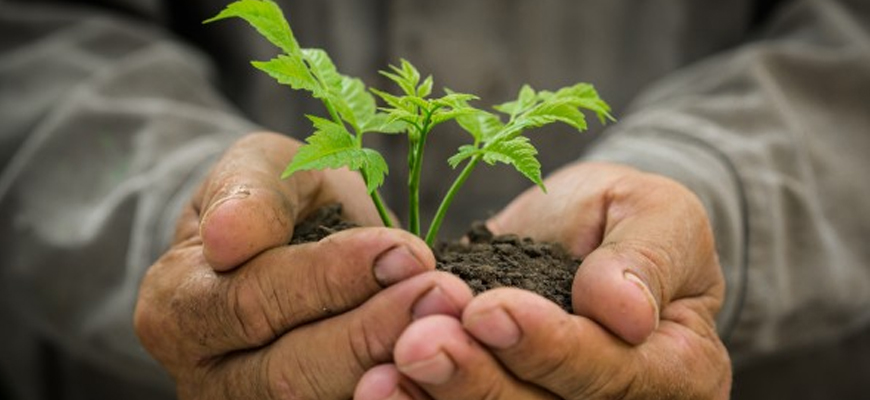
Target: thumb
(244,205)
(657,247)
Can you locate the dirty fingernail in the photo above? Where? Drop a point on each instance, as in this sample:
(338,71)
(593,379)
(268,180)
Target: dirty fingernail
(435,301)
(395,265)
(434,370)
(633,278)
(495,328)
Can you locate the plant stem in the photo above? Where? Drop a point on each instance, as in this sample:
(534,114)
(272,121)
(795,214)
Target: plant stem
(415,169)
(382,210)
(448,198)
(414,188)
(375,195)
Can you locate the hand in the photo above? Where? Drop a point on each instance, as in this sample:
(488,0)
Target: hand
(300,321)
(645,296)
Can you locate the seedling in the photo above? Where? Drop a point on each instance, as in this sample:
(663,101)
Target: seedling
(337,141)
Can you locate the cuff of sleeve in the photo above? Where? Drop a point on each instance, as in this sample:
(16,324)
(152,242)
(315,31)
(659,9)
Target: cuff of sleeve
(707,172)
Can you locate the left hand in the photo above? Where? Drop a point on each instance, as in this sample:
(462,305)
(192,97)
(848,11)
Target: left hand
(646,296)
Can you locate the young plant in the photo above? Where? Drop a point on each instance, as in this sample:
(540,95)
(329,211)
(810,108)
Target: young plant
(337,141)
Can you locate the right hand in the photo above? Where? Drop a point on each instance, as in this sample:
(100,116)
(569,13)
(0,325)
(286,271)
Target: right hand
(232,312)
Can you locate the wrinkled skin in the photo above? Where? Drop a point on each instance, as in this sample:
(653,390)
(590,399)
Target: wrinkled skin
(645,296)
(233,313)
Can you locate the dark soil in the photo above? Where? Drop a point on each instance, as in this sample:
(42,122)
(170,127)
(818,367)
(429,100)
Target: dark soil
(484,261)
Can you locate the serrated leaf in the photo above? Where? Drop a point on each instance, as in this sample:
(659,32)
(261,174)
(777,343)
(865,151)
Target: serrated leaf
(481,125)
(290,71)
(331,127)
(425,88)
(464,152)
(444,115)
(327,147)
(417,101)
(584,95)
(332,146)
(525,100)
(266,17)
(557,109)
(518,152)
(453,99)
(407,77)
(359,102)
(375,168)
(392,100)
(410,72)
(383,123)
(402,115)
(323,69)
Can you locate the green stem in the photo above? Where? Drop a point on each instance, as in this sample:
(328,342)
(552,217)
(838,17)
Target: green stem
(415,168)
(375,195)
(448,198)
(382,209)
(414,189)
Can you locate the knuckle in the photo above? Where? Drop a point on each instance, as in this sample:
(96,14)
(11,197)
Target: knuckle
(543,366)
(335,284)
(494,389)
(368,345)
(251,311)
(287,379)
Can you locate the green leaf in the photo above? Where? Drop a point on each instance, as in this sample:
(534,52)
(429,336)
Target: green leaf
(455,100)
(323,69)
(420,102)
(525,100)
(464,152)
(290,71)
(447,114)
(393,101)
(585,96)
(359,102)
(266,17)
(557,109)
(332,146)
(375,168)
(382,123)
(407,77)
(518,152)
(481,125)
(425,88)
(327,147)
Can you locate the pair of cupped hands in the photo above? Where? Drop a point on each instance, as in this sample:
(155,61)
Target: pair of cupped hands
(233,312)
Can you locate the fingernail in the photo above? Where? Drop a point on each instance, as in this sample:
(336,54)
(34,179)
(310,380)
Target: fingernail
(495,328)
(435,370)
(633,278)
(395,265)
(434,302)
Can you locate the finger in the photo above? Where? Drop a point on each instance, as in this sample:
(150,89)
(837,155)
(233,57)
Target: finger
(245,207)
(540,343)
(575,358)
(277,291)
(437,354)
(657,246)
(325,360)
(568,213)
(385,382)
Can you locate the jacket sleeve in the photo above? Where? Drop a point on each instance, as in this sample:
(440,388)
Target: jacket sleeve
(773,137)
(106,126)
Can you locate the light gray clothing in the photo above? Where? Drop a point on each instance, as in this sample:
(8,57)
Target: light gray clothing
(111,116)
